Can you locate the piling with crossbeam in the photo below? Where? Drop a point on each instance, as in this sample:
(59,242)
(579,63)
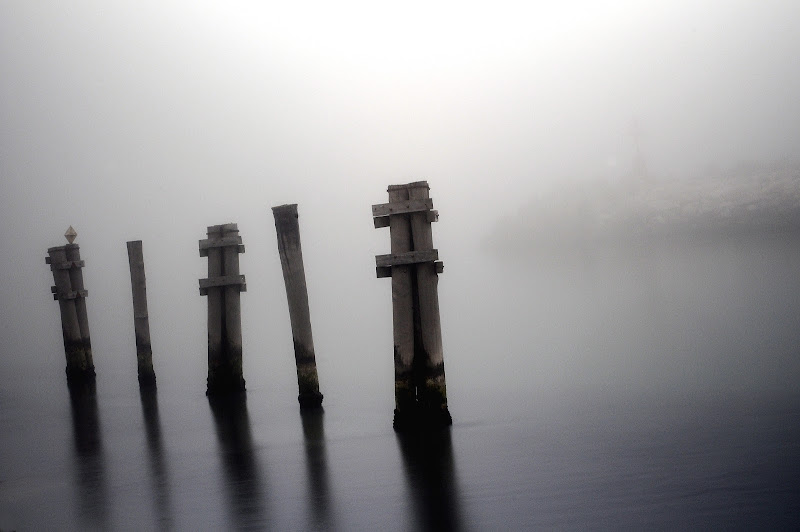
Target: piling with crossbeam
(420,392)
(222,288)
(291,254)
(65,263)
(141,323)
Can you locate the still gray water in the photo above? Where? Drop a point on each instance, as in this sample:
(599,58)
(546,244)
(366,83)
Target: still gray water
(647,389)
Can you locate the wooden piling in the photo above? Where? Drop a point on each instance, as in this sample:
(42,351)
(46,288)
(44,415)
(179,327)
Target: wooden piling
(402,314)
(141,323)
(291,254)
(77,347)
(420,392)
(433,394)
(223,287)
(76,279)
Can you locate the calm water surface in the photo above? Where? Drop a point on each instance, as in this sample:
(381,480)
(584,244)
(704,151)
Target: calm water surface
(656,395)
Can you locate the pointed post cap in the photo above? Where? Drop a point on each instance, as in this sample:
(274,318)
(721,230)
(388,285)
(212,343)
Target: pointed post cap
(71,234)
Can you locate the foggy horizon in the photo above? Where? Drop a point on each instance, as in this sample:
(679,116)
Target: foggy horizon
(617,182)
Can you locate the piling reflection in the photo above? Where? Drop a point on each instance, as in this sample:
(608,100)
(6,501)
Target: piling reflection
(242,480)
(89,460)
(159,477)
(317,468)
(430,472)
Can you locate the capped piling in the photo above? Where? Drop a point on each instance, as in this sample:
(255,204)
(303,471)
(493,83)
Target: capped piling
(291,253)
(66,264)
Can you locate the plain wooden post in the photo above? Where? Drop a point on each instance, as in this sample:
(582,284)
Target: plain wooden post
(294,277)
(79,366)
(141,323)
(224,312)
(433,394)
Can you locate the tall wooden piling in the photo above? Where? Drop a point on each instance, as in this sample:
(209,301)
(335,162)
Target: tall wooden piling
(76,280)
(223,287)
(294,277)
(65,263)
(141,321)
(420,392)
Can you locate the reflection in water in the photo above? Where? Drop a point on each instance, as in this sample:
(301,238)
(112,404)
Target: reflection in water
(317,467)
(89,460)
(242,480)
(155,448)
(429,467)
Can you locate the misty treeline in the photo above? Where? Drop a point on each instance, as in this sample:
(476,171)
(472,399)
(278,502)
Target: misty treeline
(746,200)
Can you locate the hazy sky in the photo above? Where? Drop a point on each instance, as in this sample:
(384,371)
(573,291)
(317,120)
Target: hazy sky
(154,119)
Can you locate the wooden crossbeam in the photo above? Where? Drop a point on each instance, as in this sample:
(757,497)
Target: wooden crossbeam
(67,265)
(402,207)
(68,295)
(224,280)
(410,257)
(386,271)
(226,241)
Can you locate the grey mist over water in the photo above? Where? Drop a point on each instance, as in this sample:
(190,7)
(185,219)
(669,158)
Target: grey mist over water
(617,186)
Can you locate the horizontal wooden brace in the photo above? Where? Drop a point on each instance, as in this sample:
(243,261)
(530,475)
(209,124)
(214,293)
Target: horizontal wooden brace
(69,295)
(222,228)
(383,221)
(224,280)
(220,243)
(410,257)
(386,271)
(402,207)
(66,265)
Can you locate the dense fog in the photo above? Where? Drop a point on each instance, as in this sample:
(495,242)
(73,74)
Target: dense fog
(152,120)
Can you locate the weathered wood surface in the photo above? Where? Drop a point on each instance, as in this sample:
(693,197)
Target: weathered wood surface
(290,251)
(409,257)
(76,279)
(79,368)
(233,308)
(224,310)
(223,280)
(402,206)
(402,312)
(433,395)
(413,265)
(141,319)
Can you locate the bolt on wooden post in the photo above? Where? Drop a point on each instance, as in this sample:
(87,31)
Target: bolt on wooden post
(65,263)
(141,321)
(222,288)
(294,277)
(413,265)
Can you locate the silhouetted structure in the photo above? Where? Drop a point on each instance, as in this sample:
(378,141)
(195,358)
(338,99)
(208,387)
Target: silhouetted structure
(420,393)
(223,287)
(291,253)
(66,264)
(144,353)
